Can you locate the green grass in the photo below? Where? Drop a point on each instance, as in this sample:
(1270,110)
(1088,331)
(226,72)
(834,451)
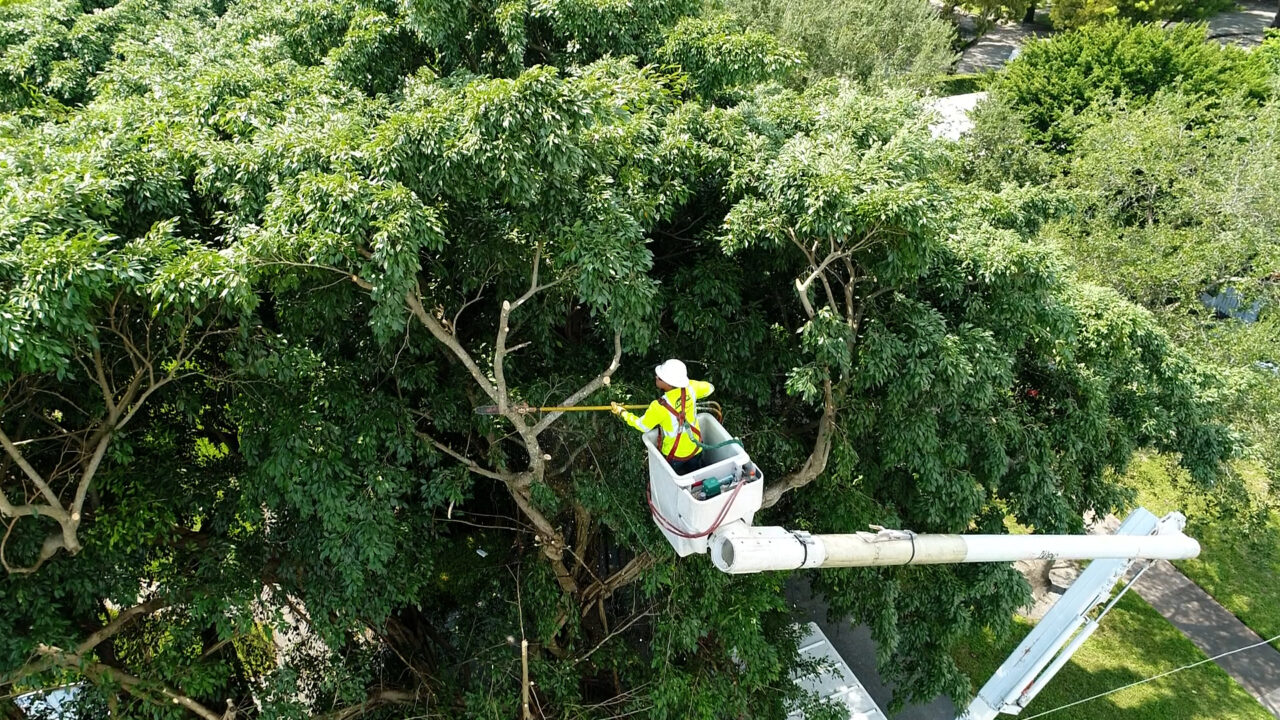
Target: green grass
(1133,643)
(1239,564)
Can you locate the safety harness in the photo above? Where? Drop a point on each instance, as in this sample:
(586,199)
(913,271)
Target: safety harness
(682,424)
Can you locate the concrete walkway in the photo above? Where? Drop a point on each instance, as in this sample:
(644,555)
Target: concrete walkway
(1214,630)
(1244,26)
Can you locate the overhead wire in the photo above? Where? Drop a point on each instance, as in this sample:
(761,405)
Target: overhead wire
(1154,677)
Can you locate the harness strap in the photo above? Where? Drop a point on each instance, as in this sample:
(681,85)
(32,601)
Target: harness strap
(682,423)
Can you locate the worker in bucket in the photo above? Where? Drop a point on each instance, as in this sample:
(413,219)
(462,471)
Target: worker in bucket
(675,415)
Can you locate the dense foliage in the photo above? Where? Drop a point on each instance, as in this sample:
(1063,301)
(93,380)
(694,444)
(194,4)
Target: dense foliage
(1054,80)
(1075,13)
(872,41)
(1174,187)
(261,260)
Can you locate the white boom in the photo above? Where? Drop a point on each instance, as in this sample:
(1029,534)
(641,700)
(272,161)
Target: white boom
(1062,630)
(738,548)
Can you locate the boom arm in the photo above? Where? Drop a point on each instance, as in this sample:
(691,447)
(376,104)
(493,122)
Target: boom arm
(738,548)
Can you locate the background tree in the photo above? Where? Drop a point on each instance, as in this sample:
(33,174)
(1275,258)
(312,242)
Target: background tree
(873,41)
(1172,196)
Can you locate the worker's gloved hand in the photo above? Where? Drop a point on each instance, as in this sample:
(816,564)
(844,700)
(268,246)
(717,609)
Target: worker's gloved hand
(615,408)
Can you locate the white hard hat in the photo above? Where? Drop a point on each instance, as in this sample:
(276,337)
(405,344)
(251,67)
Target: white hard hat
(673,373)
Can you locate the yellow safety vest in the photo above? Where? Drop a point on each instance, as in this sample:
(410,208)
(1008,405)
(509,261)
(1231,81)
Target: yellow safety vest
(676,417)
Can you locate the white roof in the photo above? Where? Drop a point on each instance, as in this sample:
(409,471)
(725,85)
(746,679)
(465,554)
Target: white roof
(835,682)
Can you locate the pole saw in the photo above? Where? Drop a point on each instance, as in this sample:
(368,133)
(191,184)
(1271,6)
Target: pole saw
(525,408)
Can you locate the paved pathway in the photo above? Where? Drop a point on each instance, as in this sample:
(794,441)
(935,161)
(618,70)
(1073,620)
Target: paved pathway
(1214,630)
(1244,26)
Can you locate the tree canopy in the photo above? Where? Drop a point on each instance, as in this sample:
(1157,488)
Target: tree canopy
(261,260)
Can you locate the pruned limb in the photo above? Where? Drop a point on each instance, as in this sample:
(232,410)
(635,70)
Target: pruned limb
(500,351)
(595,384)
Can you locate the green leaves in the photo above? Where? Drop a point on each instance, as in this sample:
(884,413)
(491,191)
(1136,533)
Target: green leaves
(720,57)
(1075,13)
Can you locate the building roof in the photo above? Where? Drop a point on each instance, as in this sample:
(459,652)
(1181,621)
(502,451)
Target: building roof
(836,681)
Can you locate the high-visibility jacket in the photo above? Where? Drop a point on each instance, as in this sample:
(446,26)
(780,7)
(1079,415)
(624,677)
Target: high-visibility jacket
(676,416)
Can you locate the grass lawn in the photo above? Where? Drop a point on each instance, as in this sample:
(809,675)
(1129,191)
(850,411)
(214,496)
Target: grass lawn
(1134,642)
(1239,569)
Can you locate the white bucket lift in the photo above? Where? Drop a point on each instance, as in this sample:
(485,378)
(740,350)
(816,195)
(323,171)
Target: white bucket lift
(674,500)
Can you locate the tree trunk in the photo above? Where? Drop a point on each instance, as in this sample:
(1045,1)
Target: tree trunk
(9,710)
(1030,17)
(1275,21)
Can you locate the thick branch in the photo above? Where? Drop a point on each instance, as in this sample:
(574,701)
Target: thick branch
(817,460)
(832,257)
(106,632)
(448,340)
(133,685)
(373,702)
(117,624)
(82,491)
(504,327)
(552,543)
(627,575)
(55,508)
(472,465)
(52,544)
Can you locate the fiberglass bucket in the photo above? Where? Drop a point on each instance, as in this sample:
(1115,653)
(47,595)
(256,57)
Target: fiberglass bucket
(673,496)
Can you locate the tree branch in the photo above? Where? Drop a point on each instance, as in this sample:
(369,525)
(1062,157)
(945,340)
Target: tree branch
(97,638)
(627,575)
(373,702)
(832,257)
(448,340)
(48,549)
(621,629)
(133,685)
(500,347)
(816,463)
(552,543)
(472,465)
(55,508)
(600,381)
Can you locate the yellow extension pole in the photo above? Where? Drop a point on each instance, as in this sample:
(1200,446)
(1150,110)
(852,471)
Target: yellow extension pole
(576,408)
(525,409)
